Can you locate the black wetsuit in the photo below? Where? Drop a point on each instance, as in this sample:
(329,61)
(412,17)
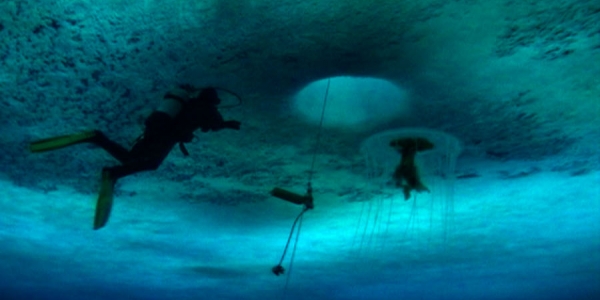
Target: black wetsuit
(161,134)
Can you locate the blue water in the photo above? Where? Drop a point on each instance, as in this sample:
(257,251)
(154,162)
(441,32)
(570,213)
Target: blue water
(517,217)
(506,242)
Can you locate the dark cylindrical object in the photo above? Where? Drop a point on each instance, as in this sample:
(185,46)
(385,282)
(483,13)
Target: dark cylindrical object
(290,196)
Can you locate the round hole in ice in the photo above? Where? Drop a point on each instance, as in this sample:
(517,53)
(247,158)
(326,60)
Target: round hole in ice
(355,102)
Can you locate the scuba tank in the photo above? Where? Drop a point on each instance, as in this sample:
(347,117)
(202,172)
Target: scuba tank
(183,102)
(174,101)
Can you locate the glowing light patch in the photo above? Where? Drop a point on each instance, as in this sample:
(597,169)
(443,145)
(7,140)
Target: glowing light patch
(352,101)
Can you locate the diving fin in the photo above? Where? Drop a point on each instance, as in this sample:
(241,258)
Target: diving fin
(61,141)
(105,200)
(406,190)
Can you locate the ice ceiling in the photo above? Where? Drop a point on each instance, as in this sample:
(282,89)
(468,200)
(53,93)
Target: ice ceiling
(516,82)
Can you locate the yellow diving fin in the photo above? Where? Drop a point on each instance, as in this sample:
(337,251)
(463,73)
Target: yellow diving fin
(61,141)
(105,201)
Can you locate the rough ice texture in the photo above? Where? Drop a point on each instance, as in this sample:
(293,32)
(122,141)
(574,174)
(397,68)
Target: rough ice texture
(75,65)
(553,28)
(515,132)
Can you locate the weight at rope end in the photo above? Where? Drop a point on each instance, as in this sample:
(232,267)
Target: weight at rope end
(278,270)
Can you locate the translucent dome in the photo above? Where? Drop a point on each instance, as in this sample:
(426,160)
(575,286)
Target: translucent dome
(382,217)
(382,159)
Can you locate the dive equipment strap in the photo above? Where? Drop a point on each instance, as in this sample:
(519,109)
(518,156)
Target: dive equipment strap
(183,149)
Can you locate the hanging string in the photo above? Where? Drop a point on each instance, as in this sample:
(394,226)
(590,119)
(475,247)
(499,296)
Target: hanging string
(279,269)
(287,280)
(318,143)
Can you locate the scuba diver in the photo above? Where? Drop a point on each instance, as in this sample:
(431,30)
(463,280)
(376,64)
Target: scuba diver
(184,110)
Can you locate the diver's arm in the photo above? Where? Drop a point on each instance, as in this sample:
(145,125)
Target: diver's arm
(217,123)
(231,124)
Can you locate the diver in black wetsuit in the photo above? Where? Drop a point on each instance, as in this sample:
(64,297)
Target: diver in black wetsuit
(184,110)
(174,122)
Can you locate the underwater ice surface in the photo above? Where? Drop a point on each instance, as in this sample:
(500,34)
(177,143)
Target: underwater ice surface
(515,81)
(507,242)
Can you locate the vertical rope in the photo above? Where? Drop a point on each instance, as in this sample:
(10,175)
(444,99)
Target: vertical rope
(309,189)
(318,143)
(299,217)
(287,280)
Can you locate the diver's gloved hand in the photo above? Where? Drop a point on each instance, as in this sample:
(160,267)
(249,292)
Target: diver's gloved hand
(232,124)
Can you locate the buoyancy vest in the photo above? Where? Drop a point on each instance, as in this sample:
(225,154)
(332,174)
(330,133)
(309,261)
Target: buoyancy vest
(174,102)
(190,111)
